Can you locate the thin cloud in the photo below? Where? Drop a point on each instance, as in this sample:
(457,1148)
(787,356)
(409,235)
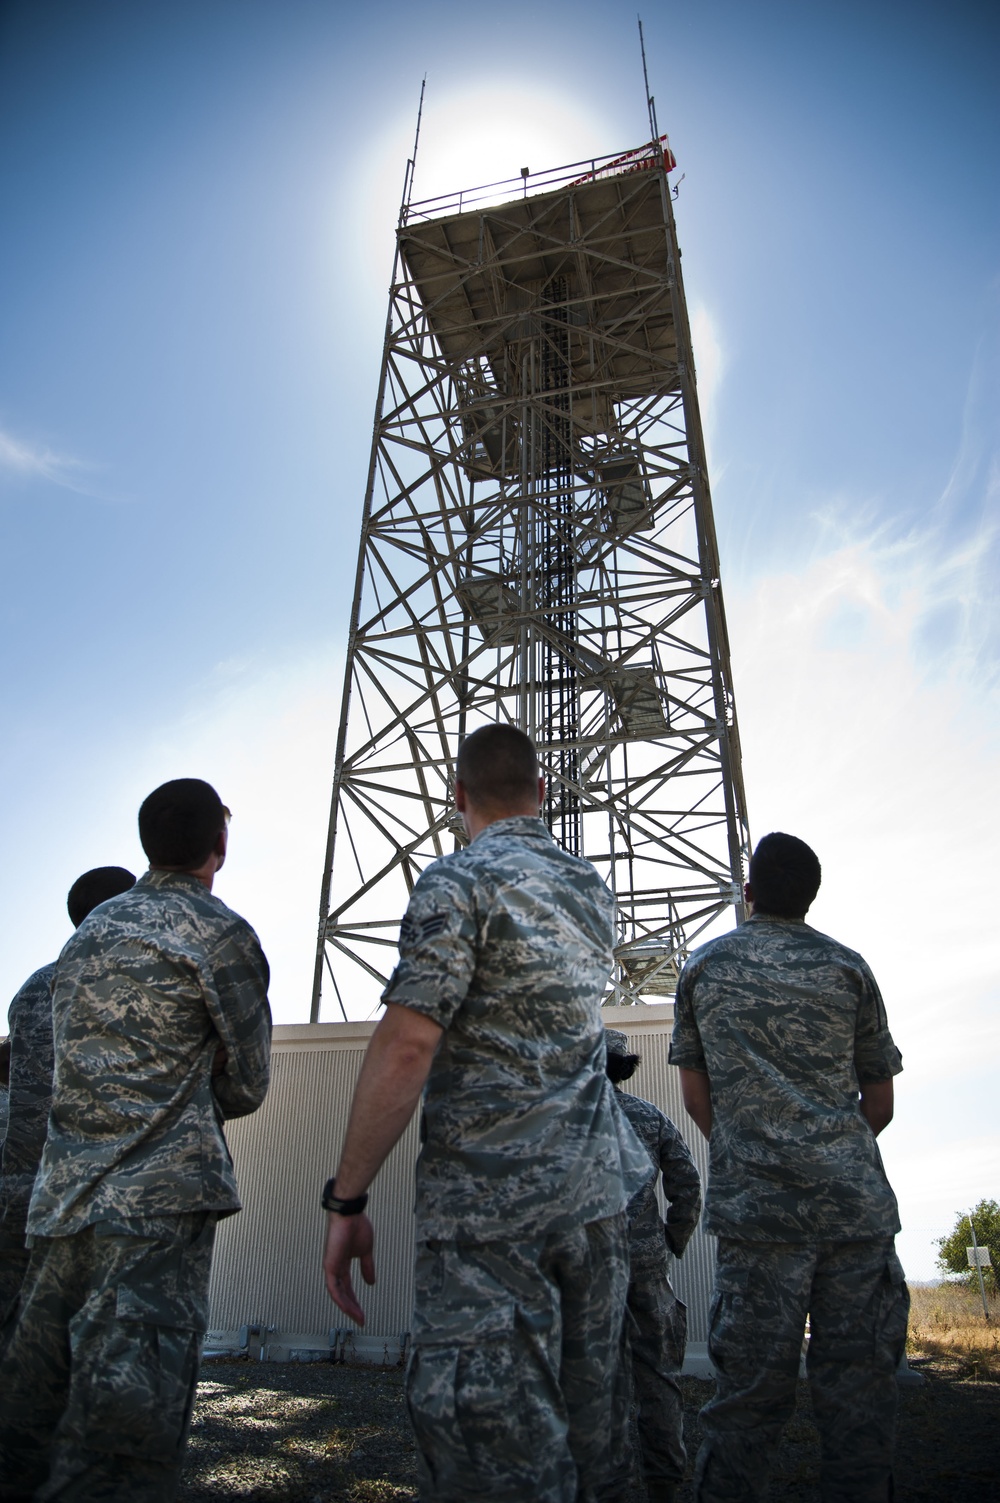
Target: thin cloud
(28,462)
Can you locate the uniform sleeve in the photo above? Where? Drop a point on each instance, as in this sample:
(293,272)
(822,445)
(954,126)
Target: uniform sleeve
(875,1055)
(237,1003)
(682,1187)
(437,946)
(685,1041)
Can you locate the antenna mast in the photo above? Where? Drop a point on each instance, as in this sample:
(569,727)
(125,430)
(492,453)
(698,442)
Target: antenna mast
(650,101)
(411,165)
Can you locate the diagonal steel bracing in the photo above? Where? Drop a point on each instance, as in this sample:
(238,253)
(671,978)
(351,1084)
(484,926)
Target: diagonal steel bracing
(538,546)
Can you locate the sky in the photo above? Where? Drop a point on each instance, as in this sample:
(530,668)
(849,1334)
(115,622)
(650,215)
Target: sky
(198,202)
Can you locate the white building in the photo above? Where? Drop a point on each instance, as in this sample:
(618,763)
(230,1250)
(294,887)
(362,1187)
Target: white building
(268,1297)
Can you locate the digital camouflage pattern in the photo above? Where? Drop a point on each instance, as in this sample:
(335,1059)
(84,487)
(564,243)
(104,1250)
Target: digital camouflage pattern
(657,1337)
(148,988)
(857,1303)
(98,1380)
(507,945)
(787,1023)
(657,1328)
(513,1383)
(30,1023)
(672,1162)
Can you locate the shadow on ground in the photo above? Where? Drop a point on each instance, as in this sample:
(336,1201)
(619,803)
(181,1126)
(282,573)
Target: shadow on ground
(324,1432)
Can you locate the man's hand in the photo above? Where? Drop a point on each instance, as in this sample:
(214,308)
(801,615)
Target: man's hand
(396,1065)
(347,1238)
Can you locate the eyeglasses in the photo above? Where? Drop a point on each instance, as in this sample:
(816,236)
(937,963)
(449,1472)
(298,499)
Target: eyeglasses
(227,815)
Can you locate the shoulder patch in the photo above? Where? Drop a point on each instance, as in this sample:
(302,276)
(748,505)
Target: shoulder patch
(414,931)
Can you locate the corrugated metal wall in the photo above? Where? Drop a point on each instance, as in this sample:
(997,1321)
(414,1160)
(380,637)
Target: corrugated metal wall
(267,1275)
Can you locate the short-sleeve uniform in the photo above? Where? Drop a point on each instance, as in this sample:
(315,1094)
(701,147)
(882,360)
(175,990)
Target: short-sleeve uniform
(788,1023)
(525,1171)
(98,1378)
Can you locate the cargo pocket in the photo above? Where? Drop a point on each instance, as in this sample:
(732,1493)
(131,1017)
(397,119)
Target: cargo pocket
(132,1389)
(461,1390)
(893,1313)
(730,1341)
(135,1353)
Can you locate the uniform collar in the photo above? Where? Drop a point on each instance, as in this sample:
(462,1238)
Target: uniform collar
(525,826)
(170,879)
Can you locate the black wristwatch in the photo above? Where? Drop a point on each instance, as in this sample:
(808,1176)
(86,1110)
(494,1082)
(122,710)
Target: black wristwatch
(333,1202)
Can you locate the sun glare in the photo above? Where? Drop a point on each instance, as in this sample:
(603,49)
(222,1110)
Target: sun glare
(487,134)
(469,137)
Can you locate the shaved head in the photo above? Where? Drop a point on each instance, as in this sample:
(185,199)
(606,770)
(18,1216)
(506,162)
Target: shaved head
(498,766)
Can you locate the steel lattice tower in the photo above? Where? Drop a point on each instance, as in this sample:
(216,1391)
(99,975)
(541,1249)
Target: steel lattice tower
(538,546)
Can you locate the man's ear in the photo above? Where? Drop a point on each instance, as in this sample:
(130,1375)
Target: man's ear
(748,892)
(221,845)
(541,791)
(460,796)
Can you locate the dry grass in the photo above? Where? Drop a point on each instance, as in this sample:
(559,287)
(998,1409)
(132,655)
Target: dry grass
(946,1323)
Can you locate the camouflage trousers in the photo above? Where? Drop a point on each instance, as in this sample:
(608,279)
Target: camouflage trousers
(512,1380)
(98,1378)
(857,1303)
(657,1334)
(14,1259)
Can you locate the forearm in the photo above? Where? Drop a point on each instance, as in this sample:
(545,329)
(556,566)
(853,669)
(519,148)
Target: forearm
(396,1065)
(697,1099)
(877,1104)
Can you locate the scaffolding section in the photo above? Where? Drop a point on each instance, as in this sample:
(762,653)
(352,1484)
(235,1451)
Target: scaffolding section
(538,547)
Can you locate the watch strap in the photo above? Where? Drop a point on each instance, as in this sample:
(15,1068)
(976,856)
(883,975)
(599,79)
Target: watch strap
(334,1202)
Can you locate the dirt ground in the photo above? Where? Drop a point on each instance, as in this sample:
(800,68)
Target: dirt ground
(325,1432)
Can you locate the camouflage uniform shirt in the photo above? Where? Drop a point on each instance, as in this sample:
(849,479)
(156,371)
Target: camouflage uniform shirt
(787,1023)
(507,945)
(30,1019)
(670,1157)
(146,990)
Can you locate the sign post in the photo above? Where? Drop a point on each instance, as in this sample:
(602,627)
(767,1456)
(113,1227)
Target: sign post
(979,1258)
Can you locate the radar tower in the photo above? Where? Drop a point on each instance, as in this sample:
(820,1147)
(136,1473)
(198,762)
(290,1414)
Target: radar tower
(538,546)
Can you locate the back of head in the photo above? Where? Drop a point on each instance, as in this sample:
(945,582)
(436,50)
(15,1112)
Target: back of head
(96,886)
(621,1062)
(784,876)
(180,822)
(498,766)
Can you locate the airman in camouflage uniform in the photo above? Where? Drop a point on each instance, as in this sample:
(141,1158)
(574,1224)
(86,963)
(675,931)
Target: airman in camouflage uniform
(30,1020)
(526,1167)
(787,1062)
(161,1031)
(657,1330)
